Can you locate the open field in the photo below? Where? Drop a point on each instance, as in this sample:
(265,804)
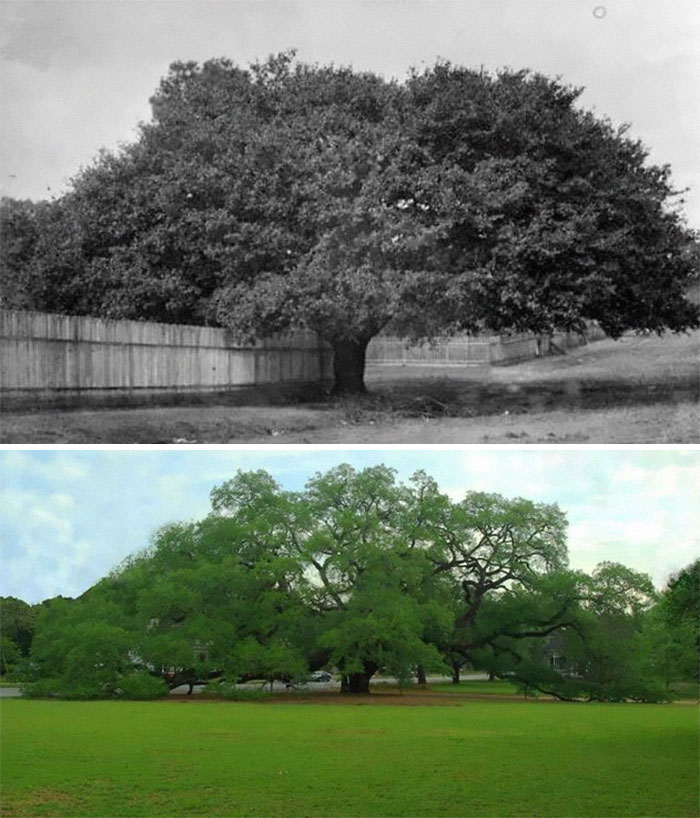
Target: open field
(641,389)
(466,757)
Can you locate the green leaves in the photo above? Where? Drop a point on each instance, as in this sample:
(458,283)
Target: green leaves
(364,573)
(275,659)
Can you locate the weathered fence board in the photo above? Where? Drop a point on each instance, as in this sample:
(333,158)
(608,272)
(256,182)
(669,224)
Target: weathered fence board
(45,353)
(43,356)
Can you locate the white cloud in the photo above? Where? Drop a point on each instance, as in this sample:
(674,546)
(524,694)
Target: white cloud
(64,467)
(57,467)
(665,481)
(14,501)
(48,527)
(61,501)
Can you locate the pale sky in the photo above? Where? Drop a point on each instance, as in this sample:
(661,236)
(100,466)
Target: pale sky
(77,74)
(68,516)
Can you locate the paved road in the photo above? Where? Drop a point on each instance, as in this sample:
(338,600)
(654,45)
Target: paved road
(14,692)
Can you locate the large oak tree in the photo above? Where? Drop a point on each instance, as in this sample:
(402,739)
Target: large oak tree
(359,572)
(291,195)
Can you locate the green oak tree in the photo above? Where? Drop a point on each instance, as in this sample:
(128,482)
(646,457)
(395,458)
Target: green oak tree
(214,598)
(360,572)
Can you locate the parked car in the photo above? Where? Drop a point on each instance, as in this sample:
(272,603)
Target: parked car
(320,676)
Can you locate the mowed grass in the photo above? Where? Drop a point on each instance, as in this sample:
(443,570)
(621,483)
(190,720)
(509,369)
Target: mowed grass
(480,688)
(481,758)
(678,691)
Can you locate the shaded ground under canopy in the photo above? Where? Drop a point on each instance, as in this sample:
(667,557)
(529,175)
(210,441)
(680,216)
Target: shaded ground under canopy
(640,389)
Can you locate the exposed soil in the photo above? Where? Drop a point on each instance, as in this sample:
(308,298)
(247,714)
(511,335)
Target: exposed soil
(394,696)
(382,696)
(641,389)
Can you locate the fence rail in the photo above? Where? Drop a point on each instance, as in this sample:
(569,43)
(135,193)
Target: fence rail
(482,350)
(41,352)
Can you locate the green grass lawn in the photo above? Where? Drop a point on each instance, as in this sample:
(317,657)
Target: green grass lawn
(481,758)
(498,687)
(502,687)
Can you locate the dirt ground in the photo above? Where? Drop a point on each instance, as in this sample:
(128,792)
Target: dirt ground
(640,389)
(389,695)
(378,696)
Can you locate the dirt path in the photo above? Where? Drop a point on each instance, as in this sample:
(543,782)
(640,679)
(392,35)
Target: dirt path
(641,389)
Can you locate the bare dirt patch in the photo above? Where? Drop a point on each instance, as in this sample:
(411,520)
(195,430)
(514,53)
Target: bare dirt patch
(43,801)
(640,389)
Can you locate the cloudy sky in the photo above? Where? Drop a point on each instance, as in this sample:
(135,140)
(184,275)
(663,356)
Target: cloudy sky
(77,74)
(68,516)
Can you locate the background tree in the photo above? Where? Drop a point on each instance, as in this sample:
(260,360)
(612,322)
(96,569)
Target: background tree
(672,629)
(81,647)
(17,624)
(292,195)
(19,237)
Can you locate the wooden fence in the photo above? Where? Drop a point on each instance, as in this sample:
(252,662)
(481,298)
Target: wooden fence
(44,357)
(482,350)
(72,360)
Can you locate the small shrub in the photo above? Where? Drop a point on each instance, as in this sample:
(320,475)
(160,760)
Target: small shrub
(141,686)
(685,690)
(42,689)
(62,688)
(85,691)
(650,691)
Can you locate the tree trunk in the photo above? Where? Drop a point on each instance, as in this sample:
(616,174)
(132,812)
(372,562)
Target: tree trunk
(455,673)
(349,367)
(420,675)
(358,682)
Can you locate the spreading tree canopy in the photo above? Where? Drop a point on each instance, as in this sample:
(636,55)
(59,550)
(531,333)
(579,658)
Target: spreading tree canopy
(288,195)
(361,573)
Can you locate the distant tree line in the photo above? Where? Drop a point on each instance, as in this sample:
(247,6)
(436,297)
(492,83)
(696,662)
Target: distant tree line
(287,195)
(360,574)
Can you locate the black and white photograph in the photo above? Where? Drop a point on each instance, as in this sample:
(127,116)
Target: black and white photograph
(400,222)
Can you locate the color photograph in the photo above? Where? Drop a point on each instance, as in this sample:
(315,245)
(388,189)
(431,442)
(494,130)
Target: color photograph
(377,632)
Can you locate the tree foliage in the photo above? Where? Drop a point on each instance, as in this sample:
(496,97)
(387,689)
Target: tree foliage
(364,574)
(17,624)
(673,630)
(288,194)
